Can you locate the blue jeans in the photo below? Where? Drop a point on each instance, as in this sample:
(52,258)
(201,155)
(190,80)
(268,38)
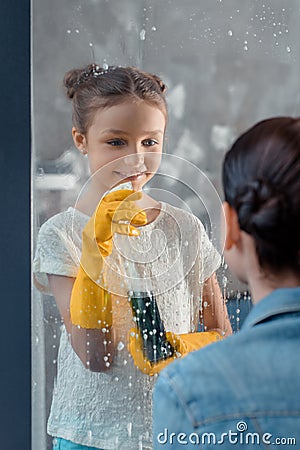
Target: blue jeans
(63,444)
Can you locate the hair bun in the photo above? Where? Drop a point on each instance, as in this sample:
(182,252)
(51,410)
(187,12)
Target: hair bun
(262,210)
(76,77)
(160,83)
(70,82)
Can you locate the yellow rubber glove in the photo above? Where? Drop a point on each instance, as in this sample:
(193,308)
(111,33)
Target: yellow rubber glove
(117,212)
(182,343)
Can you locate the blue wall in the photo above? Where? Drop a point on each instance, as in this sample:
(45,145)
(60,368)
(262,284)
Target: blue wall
(15,224)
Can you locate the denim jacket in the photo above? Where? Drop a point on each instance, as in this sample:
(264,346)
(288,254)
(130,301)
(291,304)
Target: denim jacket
(242,392)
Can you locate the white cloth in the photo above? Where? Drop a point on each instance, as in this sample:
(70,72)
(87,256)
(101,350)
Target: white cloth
(112,410)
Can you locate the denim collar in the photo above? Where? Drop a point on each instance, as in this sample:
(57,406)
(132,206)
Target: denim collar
(280,301)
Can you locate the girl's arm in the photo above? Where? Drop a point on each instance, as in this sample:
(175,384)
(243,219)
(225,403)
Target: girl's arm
(94,347)
(215,315)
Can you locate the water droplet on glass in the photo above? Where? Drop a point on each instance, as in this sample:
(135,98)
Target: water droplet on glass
(69,31)
(120,346)
(288,49)
(153,28)
(129,429)
(91,44)
(77,31)
(142,35)
(105,66)
(230,33)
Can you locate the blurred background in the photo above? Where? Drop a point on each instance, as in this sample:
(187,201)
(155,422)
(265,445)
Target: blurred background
(227,64)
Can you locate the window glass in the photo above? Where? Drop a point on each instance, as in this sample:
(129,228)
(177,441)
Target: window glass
(227,64)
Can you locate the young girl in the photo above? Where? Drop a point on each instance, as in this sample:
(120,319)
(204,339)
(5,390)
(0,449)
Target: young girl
(101,400)
(245,389)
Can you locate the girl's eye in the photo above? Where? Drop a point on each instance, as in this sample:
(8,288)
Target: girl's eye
(150,142)
(116,142)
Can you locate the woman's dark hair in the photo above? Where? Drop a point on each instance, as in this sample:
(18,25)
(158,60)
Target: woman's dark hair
(261,181)
(93,87)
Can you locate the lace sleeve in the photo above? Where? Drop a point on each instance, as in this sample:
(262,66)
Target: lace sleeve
(210,258)
(55,254)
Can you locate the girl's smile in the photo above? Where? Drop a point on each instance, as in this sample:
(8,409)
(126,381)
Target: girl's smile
(136,176)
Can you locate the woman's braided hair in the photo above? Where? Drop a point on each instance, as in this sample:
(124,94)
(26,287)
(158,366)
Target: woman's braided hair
(261,179)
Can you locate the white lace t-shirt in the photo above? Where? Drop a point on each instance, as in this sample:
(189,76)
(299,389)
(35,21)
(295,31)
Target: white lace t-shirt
(112,410)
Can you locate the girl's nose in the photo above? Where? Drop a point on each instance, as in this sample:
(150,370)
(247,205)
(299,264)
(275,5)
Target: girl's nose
(134,160)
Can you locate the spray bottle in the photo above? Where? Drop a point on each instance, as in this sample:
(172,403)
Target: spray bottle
(145,311)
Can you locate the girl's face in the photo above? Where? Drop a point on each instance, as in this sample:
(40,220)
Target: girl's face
(128,140)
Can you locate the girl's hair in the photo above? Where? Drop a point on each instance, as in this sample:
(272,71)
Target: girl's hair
(261,180)
(94,87)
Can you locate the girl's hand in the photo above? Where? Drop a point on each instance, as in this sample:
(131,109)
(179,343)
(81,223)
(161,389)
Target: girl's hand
(117,212)
(91,305)
(182,343)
